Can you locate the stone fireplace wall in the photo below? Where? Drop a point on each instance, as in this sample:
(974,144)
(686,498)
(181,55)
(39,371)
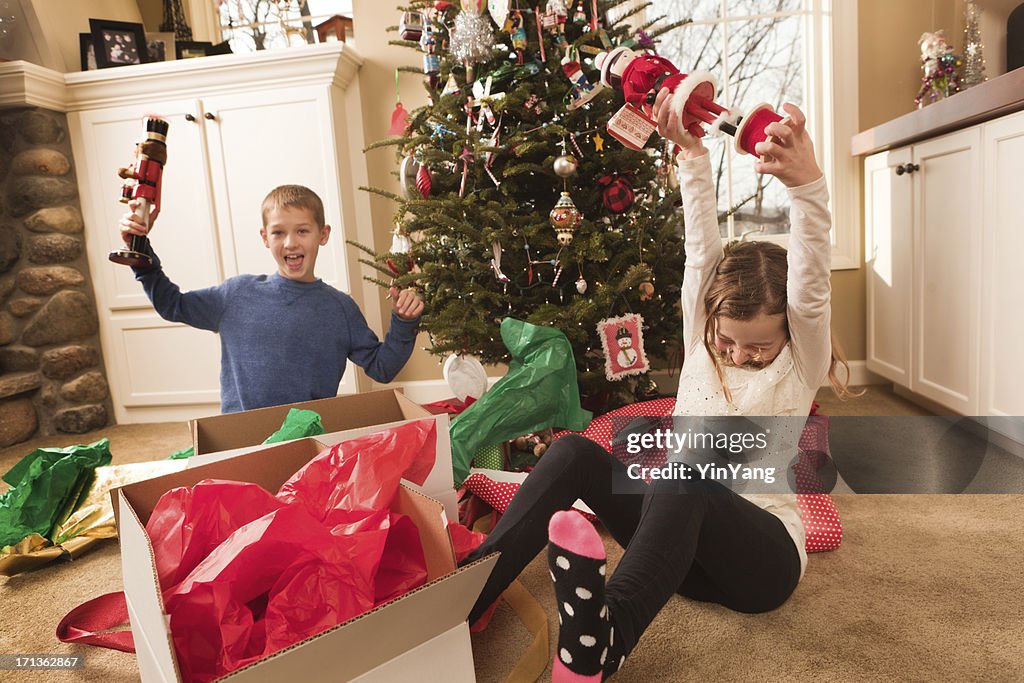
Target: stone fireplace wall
(52,377)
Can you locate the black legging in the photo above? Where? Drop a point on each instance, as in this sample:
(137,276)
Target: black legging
(693,537)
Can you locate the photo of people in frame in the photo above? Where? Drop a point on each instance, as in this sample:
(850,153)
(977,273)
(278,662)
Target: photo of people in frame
(118,43)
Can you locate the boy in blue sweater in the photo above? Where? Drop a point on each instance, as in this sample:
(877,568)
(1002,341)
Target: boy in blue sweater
(284,337)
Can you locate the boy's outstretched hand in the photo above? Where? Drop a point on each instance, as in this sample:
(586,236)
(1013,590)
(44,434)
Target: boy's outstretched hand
(131,224)
(789,153)
(407,304)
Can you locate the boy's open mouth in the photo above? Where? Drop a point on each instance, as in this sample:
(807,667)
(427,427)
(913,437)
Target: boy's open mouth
(293,261)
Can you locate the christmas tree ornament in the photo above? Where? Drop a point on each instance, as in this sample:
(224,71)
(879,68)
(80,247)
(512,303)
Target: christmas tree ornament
(565,165)
(646,290)
(565,218)
(622,341)
(451,86)
(517,33)
(408,172)
(974,58)
(467,158)
(465,376)
(618,195)
(582,90)
(598,143)
(411,26)
(400,242)
(472,39)
(498,9)
(581,285)
(431,60)
(553,20)
(486,101)
(639,76)
(579,16)
(423,181)
(496,263)
(399,117)
(533,104)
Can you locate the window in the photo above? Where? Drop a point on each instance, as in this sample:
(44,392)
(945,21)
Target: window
(775,51)
(263,24)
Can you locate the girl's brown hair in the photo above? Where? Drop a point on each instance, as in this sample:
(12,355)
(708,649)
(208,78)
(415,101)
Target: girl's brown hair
(750,280)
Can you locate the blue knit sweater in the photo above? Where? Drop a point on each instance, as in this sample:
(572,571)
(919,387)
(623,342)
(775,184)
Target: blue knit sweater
(282,341)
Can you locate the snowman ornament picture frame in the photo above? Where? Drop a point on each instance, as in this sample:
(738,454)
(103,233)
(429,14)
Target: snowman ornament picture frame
(622,340)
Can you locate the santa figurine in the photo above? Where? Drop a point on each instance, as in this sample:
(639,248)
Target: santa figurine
(640,75)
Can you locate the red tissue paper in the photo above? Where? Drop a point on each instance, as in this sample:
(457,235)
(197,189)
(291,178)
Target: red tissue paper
(245,573)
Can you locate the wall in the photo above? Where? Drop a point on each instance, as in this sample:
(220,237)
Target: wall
(377,76)
(62,20)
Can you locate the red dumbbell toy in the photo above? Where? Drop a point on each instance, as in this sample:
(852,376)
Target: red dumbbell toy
(639,76)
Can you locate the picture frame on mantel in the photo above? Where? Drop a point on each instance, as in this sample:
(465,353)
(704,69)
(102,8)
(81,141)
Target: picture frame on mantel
(189,49)
(87,52)
(160,47)
(118,43)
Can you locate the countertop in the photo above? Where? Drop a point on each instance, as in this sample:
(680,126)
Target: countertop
(996,97)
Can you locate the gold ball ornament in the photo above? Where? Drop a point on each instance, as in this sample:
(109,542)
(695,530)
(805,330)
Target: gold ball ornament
(566,165)
(646,290)
(540,449)
(565,218)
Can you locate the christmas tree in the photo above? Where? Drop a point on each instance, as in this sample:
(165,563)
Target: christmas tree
(517,201)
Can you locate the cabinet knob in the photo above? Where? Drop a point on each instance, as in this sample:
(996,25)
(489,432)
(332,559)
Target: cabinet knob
(913,167)
(209,116)
(189,117)
(901,169)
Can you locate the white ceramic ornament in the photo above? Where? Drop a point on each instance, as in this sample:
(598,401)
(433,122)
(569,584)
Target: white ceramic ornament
(498,9)
(581,286)
(465,376)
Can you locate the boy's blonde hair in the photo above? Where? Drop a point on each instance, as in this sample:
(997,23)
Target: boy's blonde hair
(751,279)
(296,197)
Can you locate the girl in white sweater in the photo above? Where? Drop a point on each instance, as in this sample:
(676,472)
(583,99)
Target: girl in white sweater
(757,335)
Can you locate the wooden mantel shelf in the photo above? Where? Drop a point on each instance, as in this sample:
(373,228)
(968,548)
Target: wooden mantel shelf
(1001,95)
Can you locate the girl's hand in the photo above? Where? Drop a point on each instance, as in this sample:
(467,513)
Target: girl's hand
(131,224)
(671,127)
(789,153)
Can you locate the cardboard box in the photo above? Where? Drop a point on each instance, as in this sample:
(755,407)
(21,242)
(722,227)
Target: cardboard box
(343,417)
(422,635)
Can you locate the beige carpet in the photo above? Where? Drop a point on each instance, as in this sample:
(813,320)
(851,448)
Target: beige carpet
(924,588)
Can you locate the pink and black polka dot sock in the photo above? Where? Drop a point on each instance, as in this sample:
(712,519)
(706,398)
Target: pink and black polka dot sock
(586,650)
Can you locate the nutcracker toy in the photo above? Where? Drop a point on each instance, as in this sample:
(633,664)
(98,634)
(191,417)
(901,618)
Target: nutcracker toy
(639,76)
(143,184)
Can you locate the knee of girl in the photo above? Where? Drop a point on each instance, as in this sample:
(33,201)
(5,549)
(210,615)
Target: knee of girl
(570,447)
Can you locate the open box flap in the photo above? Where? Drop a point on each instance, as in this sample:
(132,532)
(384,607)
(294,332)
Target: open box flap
(269,467)
(338,413)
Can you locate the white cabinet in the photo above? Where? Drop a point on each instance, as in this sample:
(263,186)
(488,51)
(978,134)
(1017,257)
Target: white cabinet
(239,126)
(1002,277)
(944,287)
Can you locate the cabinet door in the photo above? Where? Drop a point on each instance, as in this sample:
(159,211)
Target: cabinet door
(146,376)
(1002,316)
(947,235)
(888,227)
(257,142)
